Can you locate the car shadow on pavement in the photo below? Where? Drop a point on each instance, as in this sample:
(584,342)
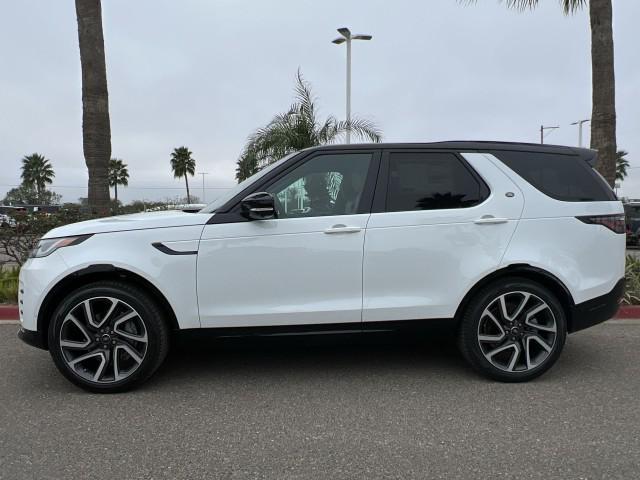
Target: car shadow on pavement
(431,351)
(378,359)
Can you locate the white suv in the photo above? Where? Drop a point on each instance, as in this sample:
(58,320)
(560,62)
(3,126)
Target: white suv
(516,243)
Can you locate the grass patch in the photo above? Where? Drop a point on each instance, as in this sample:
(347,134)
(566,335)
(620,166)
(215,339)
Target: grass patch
(632,277)
(9,284)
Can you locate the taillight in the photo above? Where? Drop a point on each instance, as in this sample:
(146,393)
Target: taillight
(615,223)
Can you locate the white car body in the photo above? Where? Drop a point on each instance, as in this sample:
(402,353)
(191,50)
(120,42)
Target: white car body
(356,269)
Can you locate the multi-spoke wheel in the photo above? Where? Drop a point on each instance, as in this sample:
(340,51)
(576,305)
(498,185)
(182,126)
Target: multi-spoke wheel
(108,336)
(103,339)
(517,331)
(513,330)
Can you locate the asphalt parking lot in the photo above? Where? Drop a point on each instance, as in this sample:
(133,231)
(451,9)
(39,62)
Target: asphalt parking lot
(389,408)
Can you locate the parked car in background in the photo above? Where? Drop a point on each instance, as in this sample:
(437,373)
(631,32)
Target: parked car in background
(632,216)
(516,244)
(6,221)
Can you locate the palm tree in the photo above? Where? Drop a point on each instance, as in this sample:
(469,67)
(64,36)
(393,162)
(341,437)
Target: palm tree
(96,130)
(247,165)
(118,175)
(622,164)
(183,164)
(295,129)
(603,113)
(37,172)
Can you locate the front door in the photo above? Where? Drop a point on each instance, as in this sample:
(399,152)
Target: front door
(303,267)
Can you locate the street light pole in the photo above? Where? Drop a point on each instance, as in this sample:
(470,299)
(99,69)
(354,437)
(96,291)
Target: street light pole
(580,123)
(203,174)
(348,90)
(347,37)
(542,129)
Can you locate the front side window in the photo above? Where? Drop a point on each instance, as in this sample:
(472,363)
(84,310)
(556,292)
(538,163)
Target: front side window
(431,181)
(329,184)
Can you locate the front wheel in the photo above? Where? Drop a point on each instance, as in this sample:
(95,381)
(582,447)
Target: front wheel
(513,330)
(108,337)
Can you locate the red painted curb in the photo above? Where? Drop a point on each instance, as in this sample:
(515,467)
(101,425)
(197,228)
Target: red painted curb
(9,312)
(628,311)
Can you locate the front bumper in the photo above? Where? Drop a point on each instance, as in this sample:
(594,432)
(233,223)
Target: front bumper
(597,310)
(36,277)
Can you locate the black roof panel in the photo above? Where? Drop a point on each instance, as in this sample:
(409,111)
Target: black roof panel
(460,144)
(474,145)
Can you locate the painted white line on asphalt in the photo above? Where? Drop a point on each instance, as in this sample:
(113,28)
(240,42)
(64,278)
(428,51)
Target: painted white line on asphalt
(9,322)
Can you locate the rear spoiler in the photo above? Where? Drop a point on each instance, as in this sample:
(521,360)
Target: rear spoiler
(588,155)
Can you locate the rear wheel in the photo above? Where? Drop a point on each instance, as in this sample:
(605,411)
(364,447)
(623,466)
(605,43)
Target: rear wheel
(513,330)
(108,337)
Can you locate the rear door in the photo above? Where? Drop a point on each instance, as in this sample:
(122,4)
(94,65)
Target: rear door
(440,223)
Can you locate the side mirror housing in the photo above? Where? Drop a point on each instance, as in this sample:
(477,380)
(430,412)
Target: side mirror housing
(258,206)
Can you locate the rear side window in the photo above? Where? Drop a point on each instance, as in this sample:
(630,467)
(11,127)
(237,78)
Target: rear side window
(563,177)
(430,181)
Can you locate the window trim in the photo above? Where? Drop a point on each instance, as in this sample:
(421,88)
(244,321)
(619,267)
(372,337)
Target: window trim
(382,187)
(230,212)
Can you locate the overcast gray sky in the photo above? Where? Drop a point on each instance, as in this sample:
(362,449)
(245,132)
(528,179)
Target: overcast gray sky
(207,73)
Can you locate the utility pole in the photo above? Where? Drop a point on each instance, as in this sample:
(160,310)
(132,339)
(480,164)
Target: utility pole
(203,174)
(580,123)
(542,129)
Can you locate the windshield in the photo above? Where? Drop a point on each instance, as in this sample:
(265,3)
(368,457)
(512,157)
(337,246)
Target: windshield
(225,197)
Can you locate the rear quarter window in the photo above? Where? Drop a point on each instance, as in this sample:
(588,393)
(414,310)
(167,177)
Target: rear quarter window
(563,177)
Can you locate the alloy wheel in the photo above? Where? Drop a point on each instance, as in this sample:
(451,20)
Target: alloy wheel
(517,331)
(103,339)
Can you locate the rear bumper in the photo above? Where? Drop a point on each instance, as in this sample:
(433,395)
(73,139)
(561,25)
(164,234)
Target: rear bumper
(35,339)
(597,310)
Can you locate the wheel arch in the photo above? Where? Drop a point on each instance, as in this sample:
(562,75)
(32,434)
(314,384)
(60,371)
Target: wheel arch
(538,275)
(94,273)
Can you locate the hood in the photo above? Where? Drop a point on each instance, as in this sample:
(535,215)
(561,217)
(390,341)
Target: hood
(136,221)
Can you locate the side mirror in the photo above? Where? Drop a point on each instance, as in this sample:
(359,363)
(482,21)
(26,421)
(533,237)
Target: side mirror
(258,206)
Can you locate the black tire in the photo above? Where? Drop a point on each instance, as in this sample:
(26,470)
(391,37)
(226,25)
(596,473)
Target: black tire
(154,324)
(470,331)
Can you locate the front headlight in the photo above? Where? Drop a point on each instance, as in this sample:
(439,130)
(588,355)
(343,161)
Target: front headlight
(47,246)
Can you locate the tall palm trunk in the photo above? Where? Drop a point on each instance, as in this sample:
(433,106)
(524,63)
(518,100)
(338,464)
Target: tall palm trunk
(116,193)
(186,181)
(603,116)
(96,131)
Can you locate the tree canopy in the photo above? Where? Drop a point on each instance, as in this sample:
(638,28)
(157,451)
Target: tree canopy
(298,128)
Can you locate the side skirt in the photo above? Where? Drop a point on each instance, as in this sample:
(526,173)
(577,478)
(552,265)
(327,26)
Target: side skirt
(406,326)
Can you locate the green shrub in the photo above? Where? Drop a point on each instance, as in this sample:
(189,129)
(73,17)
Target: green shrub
(632,276)
(9,285)
(17,241)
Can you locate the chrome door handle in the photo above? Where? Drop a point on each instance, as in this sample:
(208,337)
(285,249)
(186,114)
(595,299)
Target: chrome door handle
(490,220)
(341,228)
